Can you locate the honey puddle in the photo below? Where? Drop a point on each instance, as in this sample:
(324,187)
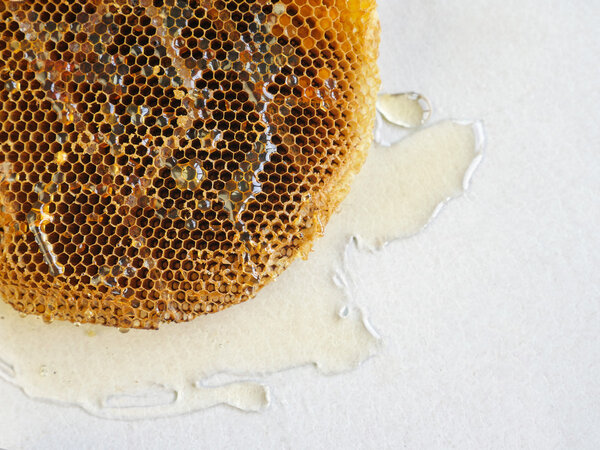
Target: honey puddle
(396,113)
(302,318)
(409,109)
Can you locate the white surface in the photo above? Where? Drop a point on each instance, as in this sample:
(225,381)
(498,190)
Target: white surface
(490,318)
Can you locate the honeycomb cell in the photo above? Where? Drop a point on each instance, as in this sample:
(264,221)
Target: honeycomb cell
(164,159)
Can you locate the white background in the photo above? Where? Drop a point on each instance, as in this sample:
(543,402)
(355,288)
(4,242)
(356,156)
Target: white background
(490,318)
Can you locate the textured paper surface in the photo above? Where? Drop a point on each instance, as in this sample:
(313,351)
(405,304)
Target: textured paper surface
(490,317)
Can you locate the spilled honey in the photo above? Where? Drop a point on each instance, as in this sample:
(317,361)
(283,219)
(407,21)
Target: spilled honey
(398,114)
(408,109)
(304,317)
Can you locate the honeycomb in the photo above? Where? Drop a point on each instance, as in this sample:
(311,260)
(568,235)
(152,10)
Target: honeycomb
(164,159)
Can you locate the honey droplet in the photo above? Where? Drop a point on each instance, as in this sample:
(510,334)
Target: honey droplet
(408,110)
